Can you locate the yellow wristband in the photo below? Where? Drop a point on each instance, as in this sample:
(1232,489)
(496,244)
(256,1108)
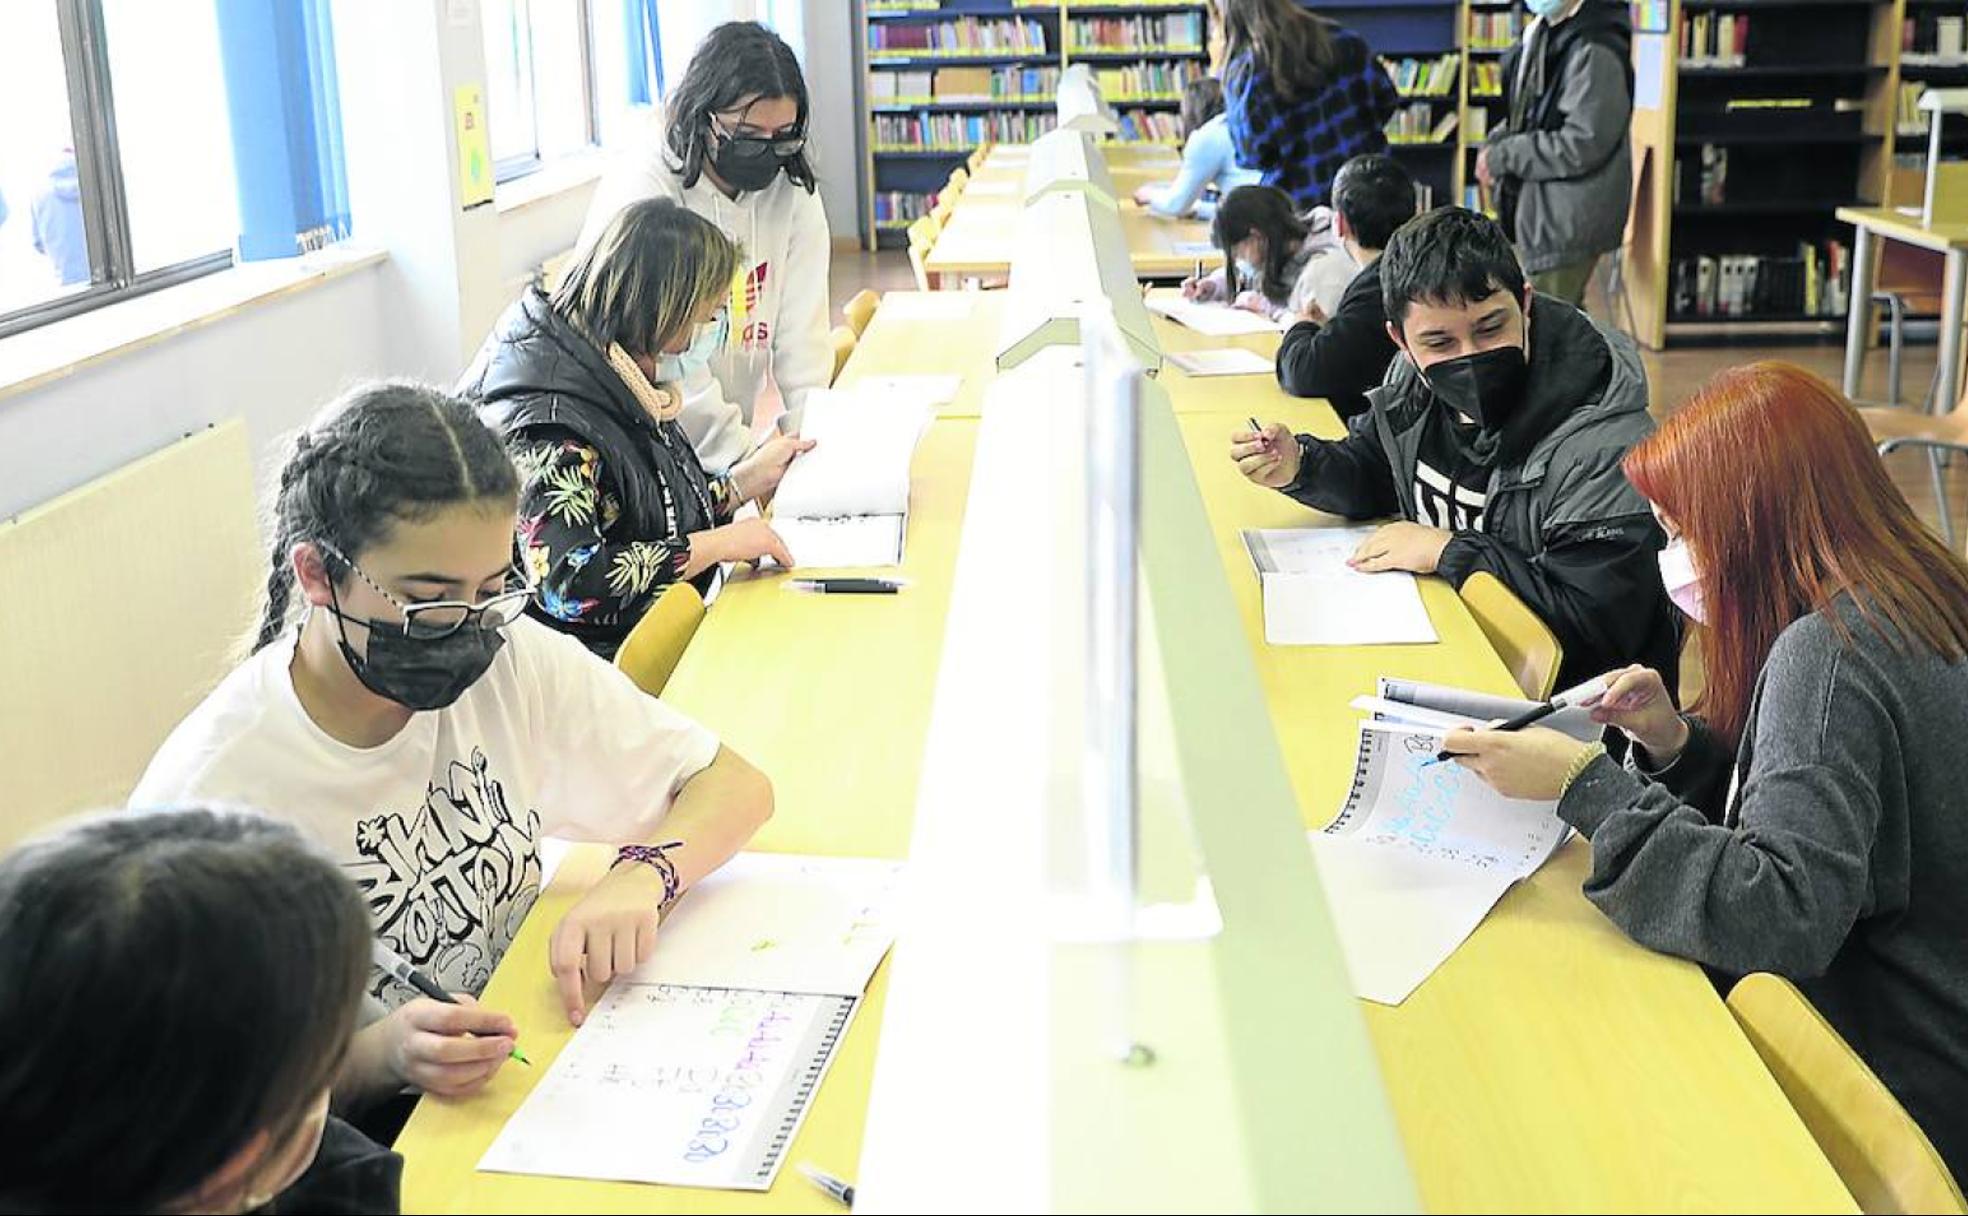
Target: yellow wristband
(1579,765)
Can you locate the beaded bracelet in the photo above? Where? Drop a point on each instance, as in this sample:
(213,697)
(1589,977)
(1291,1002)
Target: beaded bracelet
(1579,764)
(656,857)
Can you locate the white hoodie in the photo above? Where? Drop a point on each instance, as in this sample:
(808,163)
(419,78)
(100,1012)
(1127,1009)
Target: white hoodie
(787,248)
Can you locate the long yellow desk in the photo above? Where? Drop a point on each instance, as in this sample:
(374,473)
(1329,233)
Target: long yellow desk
(1549,1065)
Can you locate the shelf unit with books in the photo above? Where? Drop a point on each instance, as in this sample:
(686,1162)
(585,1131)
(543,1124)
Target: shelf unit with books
(1754,121)
(1420,42)
(938,77)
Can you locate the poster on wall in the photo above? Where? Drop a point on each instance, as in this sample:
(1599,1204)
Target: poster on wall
(474,147)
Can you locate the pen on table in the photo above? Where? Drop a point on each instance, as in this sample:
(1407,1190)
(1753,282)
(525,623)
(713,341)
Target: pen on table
(1198,276)
(1588,691)
(399,969)
(842,1192)
(845,586)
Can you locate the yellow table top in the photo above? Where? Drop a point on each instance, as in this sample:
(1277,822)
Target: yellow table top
(1893,223)
(980,239)
(901,345)
(1549,1065)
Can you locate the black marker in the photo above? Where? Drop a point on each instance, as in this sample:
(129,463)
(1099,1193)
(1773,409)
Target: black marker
(846,586)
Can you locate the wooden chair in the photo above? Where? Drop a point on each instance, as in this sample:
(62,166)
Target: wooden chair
(959,179)
(1880,1153)
(922,236)
(842,339)
(859,310)
(1520,637)
(941,212)
(977,157)
(656,645)
(1935,434)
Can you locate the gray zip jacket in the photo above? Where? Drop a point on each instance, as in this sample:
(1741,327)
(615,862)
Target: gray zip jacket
(1831,847)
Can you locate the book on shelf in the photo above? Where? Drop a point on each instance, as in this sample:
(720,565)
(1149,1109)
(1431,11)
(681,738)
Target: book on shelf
(1812,282)
(1416,123)
(1712,39)
(1424,77)
(965,36)
(1911,119)
(1477,128)
(1173,32)
(1495,29)
(1649,16)
(1149,80)
(1486,79)
(899,208)
(904,6)
(1928,38)
(1149,127)
(959,132)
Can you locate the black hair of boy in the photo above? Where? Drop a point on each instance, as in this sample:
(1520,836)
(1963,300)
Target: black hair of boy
(1376,195)
(1450,256)
(172,984)
(736,63)
(1267,212)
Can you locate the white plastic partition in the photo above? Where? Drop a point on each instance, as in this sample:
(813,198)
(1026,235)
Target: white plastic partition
(1068,161)
(1071,258)
(1080,104)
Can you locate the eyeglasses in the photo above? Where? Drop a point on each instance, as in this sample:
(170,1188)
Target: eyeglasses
(785,147)
(435,619)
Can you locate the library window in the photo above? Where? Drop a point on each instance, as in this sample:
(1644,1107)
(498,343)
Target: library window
(554,80)
(115,160)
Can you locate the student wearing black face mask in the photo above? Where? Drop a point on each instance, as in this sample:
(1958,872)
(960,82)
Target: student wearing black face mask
(414,723)
(1497,438)
(730,142)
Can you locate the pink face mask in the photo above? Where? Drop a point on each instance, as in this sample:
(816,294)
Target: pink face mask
(1682,580)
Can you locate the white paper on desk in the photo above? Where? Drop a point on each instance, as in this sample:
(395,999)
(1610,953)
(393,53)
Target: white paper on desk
(843,541)
(1216,320)
(927,305)
(1313,598)
(778,922)
(859,465)
(1476,708)
(1418,855)
(1191,249)
(680,1086)
(1233,361)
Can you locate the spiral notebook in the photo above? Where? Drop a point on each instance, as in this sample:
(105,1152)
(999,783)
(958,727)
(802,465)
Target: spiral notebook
(698,1068)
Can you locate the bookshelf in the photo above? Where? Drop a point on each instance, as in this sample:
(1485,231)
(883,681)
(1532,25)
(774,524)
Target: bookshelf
(1754,120)
(938,77)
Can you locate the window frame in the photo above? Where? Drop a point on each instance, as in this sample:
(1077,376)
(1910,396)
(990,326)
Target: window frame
(99,170)
(513,168)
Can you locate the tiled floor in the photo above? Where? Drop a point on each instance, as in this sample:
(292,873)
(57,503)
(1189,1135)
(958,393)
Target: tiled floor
(1673,374)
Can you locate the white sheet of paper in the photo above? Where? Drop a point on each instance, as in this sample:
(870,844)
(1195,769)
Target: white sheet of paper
(1313,598)
(925,390)
(1233,361)
(1216,320)
(843,542)
(1398,916)
(1474,707)
(927,305)
(778,922)
(682,1086)
(1193,249)
(859,465)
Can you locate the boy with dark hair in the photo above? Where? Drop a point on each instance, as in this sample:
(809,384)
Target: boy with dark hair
(1497,439)
(1341,357)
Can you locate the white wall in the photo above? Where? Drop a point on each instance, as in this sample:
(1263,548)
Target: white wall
(829,64)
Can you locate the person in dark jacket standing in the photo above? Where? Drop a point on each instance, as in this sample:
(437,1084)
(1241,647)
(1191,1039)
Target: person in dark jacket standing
(1302,96)
(1497,438)
(1560,170)
(584,387)
(1811,819)
(1342,356)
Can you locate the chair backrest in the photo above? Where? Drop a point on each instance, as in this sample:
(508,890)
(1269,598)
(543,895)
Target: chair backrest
(91,685)
(959,178)
(977,155)
(842,339)
(1521,639)
(925,230)
(1880,1153)
(859,310)
(941,212)
(922,235)
(656,645)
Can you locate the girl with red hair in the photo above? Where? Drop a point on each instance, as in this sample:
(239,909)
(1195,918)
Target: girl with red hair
(1811,818)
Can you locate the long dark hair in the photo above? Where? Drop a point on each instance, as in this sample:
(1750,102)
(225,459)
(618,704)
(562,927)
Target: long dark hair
(1202,100)
(1294,45)
(736,62)
(652,268)
(172,983)
(378,455)
(1265,211)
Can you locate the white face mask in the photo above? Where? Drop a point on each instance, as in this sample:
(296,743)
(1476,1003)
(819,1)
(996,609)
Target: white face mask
(1682,580)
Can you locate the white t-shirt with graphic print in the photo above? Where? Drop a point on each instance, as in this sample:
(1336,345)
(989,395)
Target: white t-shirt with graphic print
(440,826)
